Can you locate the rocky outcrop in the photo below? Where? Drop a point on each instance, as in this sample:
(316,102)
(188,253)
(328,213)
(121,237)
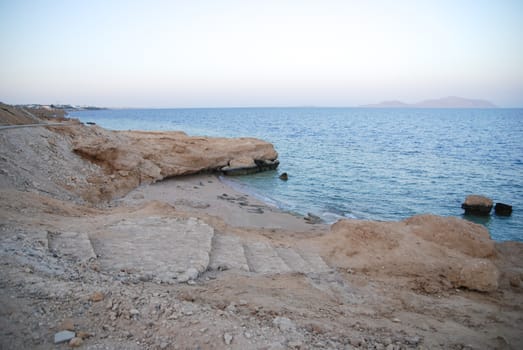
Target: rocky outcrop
(246,165)
(433,250)
(152,156)
(477,205)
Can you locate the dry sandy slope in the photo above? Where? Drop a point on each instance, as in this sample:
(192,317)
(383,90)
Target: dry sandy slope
(387,285)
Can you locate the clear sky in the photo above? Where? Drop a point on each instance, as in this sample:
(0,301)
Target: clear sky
(259,53)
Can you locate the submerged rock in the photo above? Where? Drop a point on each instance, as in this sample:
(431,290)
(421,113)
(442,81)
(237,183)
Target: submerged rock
(477,205)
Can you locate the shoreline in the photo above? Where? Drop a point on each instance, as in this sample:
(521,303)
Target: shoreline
(206,194)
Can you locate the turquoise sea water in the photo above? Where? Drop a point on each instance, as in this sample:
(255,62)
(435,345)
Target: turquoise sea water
(379,164)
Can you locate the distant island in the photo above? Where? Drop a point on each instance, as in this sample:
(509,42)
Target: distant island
(445,102)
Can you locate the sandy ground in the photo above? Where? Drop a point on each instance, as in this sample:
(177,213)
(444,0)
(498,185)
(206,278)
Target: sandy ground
(207,194)
(116,272)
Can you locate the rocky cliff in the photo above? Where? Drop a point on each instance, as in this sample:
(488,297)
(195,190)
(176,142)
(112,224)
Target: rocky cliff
(112,163)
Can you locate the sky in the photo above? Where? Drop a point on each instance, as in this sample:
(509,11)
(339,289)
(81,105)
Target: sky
(231,53)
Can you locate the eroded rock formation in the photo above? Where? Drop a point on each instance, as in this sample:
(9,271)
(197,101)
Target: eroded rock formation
(433,249)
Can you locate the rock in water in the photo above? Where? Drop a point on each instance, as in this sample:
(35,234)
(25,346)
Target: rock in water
(284,177)
(477,205)
(503,209)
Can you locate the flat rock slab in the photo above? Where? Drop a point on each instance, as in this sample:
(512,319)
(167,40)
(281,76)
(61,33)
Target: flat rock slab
(228,254)
(161,247)
(263,258)
(74,245)
(63,336)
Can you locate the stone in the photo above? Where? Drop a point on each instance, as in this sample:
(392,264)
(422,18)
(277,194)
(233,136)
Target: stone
(75,342)
(227,338)
(67,325)
(134,312)
(312,219)
(83,335)
(284,176)
(515,281)
(189,275)
(477,205)
(481,275)
(96,297)
(502,209)
(63,336)
(284,324)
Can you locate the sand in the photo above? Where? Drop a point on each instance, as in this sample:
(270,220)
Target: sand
(189,262)
(209,195)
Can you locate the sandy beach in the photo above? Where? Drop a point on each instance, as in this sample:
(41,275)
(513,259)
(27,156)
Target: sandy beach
(113,244)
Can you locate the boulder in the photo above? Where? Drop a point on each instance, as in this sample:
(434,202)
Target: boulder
(503,209)
(477,205)
(481,275)
(284,177)
(437,251)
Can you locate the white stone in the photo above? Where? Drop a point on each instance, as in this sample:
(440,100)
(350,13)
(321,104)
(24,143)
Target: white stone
(63,336)
(227,338)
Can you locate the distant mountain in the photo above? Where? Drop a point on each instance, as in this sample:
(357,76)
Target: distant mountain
(445,102)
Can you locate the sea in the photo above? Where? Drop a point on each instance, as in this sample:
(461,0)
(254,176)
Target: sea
(361,163)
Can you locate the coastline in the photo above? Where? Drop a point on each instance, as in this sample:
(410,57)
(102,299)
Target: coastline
(208,195)
(92,240)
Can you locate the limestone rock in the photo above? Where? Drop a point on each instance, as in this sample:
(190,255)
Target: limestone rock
(227,338)
(437,251)
(467,237)
(477,205)
(75,342)
(190,275)
(146,157)
(480,275)
(63,336)
(96,296)
(284,324)
(67,325)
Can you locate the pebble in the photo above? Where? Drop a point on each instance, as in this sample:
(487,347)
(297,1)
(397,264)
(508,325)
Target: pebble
(63,336)
(83,335)
(75,342)
(67,325)
(134,312)
(396,320)
(96,296)
(227,338)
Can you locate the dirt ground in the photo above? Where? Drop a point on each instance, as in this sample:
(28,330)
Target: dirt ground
(280,283)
